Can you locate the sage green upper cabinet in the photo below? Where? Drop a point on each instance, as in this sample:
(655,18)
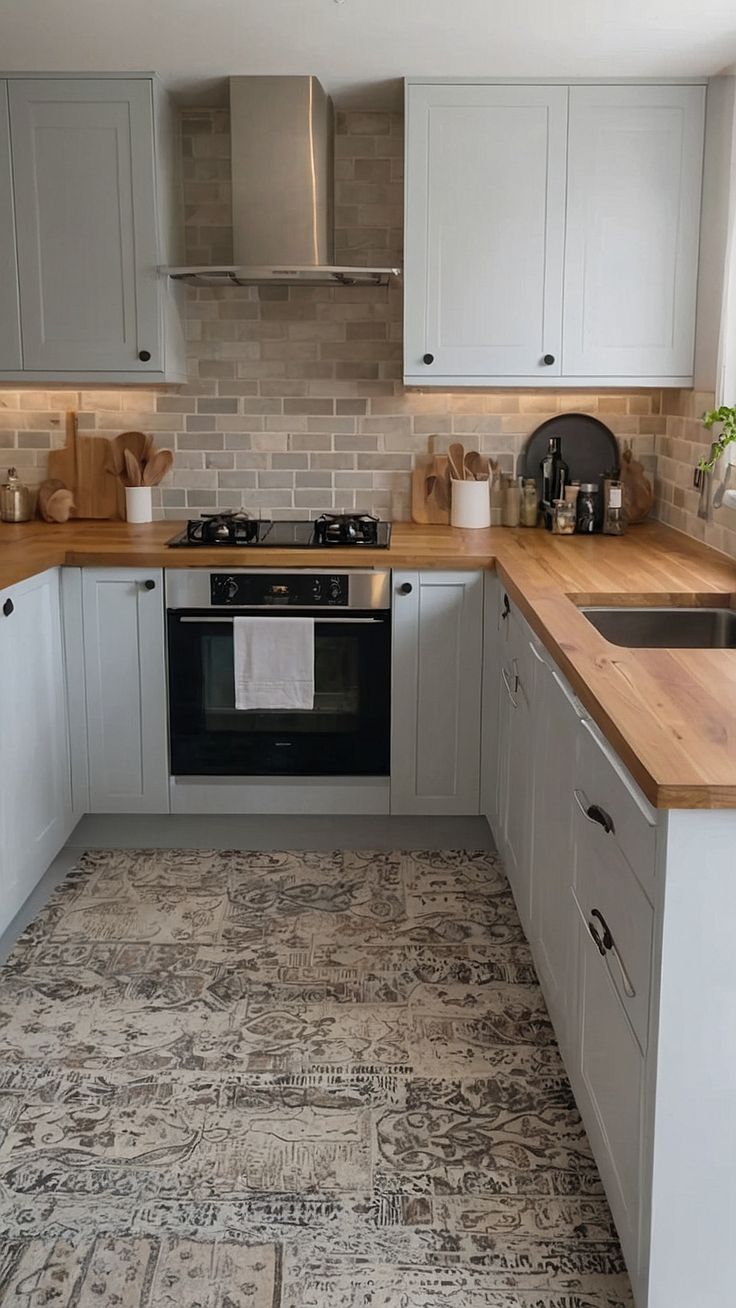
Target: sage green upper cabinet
(485,212)
(10,352)
(89,170)
(635,159)
(551,233)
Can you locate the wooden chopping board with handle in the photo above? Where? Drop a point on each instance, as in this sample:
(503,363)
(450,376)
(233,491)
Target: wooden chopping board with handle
(85,465)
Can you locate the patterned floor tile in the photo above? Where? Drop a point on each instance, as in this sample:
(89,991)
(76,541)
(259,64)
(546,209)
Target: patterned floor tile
(281,1080)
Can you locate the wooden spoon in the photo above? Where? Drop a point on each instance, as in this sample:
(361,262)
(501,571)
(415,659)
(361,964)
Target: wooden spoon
(135,441)
(132,468)
(473,465)
(456,456)
(157,467)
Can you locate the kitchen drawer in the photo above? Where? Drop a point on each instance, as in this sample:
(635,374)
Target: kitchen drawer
(603,784)
(612,903)
(608,1079)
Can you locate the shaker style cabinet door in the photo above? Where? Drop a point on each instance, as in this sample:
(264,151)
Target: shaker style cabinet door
(635,157)
(10,351)
(35,786)
(85,206)
(485,197)
(436,692)
(125,672)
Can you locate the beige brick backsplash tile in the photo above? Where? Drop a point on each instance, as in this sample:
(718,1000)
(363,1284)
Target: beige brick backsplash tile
(353,480)
(408,444)
(286,422)
(313,499)
(10,400)
(252,459)
(275,480)
(331,424)
(236,480)
(221,460)
(333,462)
(195,479)
(314,369)
(306,480)
(345,408)
(270,441)
(431,424)
(382,462)
(34,440)
(297,441)
(386,426)
(361,442)
(7,440)
(238,441)
(482,424)
(290,460)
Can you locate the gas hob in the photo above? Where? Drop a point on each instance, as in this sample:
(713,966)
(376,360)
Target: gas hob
(237,530)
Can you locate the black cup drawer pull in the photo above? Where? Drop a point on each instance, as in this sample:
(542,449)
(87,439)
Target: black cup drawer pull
(605,944)
(594,813)
(8,608)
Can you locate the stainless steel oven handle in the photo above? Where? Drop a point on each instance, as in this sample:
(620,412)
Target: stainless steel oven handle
(352,622)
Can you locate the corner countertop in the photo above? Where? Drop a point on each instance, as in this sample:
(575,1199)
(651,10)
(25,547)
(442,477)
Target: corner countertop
(669,714)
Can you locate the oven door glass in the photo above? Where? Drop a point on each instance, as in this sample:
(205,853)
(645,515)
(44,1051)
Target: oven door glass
(345,734)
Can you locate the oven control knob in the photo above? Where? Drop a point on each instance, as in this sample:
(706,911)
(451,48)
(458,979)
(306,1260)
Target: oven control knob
(231,587)
(335,589)
(317,589)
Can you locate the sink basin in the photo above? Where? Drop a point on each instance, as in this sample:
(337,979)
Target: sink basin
(665,628)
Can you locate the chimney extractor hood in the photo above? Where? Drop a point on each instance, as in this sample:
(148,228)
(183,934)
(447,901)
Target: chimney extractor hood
(282,132)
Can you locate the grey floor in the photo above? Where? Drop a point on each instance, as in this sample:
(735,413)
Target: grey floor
(201,831)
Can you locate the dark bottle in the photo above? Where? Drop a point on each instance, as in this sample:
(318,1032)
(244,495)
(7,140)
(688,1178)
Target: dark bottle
(555,477)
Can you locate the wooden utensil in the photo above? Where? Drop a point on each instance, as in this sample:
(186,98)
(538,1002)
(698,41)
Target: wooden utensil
(456,456)
(132,468)
(476,466)
(157,467)
(136,441)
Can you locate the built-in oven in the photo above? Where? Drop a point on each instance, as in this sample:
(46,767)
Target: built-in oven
(345,733)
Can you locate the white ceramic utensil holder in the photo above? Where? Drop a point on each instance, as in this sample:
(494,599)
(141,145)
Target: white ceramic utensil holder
(470,505)
(138,504)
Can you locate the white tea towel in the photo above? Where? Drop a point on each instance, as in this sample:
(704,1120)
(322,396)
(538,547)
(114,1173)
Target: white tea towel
(274,663)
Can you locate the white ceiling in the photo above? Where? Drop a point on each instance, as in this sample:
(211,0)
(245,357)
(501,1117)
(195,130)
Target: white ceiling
(359,48)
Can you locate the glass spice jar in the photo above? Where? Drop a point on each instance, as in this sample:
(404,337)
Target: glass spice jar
(588,508)
(563,518)
(529,503)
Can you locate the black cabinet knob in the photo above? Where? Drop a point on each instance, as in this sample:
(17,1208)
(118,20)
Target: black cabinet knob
(427,358)
(506,608)
(8,607)
(406,588)
(150,584)
(144,355)
(549,360)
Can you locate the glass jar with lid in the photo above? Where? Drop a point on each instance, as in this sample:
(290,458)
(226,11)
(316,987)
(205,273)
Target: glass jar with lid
(588,508)
(563,518)
(529,503)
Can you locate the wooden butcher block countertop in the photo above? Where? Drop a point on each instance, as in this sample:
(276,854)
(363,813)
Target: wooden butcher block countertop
(669,714)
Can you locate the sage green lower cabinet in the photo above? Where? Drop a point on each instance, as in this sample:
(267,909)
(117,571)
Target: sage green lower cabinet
(436,692)
(125,679)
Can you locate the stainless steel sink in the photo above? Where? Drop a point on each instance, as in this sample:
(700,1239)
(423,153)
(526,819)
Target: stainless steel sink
(665,628)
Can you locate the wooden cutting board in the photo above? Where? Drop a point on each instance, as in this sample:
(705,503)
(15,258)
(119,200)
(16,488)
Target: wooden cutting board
(427,506)
(85,465)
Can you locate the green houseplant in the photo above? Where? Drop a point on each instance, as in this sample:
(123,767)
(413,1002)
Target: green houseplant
(727,416)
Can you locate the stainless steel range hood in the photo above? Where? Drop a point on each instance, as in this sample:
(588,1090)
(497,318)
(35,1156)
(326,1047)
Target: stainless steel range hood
(282,183)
